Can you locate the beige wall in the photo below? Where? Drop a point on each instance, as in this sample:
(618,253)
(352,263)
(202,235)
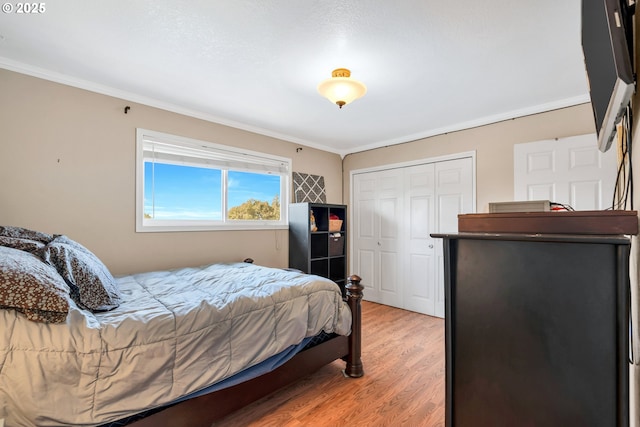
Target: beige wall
(67,163)
(67,166)
(493,145)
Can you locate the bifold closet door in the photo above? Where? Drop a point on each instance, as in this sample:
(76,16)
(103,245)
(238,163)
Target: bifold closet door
(419,281)
(454,195)
(435,194)
(394,213)
(377,230)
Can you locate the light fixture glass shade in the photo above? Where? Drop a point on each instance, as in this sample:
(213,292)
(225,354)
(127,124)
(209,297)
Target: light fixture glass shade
(341,89)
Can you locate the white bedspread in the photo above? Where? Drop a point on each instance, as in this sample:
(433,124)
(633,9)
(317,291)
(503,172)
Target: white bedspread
(176,332)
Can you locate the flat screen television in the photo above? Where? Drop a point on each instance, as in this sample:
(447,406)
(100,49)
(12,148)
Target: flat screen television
(606,43)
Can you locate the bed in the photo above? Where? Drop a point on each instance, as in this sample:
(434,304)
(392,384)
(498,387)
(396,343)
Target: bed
(177,347)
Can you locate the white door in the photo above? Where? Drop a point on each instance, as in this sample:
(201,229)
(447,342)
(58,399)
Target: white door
(455,190)
(571,171)
(394,213)
(377,205)
(419,286)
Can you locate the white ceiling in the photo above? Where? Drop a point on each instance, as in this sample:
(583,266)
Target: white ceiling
(431,66)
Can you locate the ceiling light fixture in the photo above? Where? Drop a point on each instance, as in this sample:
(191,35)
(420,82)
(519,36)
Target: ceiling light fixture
(341,89)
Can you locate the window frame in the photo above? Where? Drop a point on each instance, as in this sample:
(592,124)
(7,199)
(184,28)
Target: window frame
(154,225)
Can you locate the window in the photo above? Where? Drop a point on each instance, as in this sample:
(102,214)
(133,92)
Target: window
(184,184)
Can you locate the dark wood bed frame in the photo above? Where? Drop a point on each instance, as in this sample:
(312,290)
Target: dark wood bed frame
(206,409)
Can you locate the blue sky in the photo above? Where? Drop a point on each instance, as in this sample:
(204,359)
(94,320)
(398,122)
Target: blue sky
(194,193)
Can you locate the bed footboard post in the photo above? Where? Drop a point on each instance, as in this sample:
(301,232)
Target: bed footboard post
(354,297)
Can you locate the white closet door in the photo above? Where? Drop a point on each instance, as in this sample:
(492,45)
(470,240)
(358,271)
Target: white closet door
(377,208)
(419,284)
(454,187)
(570,171)
(363,231)
(394,213)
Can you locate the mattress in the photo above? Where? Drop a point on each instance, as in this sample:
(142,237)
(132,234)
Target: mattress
(175,332)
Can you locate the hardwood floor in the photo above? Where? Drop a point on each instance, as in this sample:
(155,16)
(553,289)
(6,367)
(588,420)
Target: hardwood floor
(403,385)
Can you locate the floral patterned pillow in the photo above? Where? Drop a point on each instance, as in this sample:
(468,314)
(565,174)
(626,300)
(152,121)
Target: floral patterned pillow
(32,287)
(92,285)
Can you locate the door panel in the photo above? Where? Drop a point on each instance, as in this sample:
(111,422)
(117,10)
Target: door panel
(376,205)
(450,205)
(388,210)
(389,199)
(388,284)
(419,226)
(545,191)
(419,220)
(454,187)
(419,268)
(366,222)
(585,195)
(542,161)
(367,267)
(364,226)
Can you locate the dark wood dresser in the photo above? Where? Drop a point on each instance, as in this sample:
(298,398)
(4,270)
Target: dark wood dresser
(537,319)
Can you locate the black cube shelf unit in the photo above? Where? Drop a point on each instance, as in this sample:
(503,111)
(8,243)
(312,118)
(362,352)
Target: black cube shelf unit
(323,251)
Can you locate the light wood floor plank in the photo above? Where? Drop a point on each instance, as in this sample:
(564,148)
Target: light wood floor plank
(403,385)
